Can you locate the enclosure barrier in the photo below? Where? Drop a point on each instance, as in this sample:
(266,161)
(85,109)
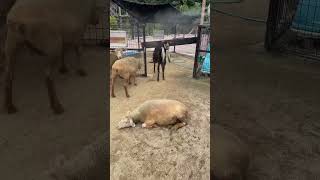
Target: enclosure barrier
(293,26)
(202,53)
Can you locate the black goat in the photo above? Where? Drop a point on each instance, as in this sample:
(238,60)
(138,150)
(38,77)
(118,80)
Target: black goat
(160,57)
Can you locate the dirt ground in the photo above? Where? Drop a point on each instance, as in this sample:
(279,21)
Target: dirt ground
(32,139)
(271,101)
(138,153)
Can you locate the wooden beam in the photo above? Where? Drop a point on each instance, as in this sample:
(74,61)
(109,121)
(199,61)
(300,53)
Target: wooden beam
(179,41)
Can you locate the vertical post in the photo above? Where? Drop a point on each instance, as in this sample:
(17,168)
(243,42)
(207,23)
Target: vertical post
(203,11)
(144,51)
(195,65)
(138,29)
(175,36)
(132,29)
(271,24)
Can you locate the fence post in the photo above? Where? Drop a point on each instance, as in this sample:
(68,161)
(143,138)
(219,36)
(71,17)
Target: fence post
(271,24)
(144,50)
(195,65)
(138,30)
(132,29)
(175,36)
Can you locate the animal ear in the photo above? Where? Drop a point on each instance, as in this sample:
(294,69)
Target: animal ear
(132,123)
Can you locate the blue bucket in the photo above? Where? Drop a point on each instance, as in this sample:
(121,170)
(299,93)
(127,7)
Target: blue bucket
(307,17)
(130,53)
(206,63)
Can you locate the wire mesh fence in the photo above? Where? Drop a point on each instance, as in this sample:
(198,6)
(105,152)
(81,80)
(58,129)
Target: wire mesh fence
(97,34)
(127,33)
(293,26)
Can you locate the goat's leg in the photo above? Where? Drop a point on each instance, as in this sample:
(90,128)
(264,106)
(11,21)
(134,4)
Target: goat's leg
(8,86)
(2,45)
(158,71)
(54,101)
(154,67)
(168,56)
(80,71)
(63,68)
(11,47)
(163,67)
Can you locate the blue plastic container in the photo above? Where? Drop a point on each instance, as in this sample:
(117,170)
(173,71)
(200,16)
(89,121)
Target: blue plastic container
(130,53)
(307,17)
(206,63)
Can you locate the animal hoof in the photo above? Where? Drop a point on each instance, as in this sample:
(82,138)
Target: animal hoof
(113,96)
(63,70)
(135,84)
(128,96)
(129,83)
(12,109)
(82,73)
(58,109)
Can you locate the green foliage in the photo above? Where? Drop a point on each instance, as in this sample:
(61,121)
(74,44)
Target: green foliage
(113,22)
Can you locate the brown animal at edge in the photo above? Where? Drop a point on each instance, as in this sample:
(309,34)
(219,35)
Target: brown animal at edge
(46,27)
(126,68)
(231,156)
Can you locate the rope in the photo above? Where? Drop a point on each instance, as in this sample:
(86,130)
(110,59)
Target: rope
(241,17)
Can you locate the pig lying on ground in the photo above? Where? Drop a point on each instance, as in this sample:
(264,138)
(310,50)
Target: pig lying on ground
(161,112)
(230,156)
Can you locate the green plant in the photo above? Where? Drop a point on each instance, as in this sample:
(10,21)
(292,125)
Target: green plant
(113,22)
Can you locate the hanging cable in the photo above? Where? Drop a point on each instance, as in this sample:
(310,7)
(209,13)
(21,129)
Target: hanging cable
(237,16)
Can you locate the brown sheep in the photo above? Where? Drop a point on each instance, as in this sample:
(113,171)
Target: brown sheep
(126,68)
(47,27)
(116,55)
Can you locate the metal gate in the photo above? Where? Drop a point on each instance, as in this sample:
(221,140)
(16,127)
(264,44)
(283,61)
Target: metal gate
(294,26)
(202,51)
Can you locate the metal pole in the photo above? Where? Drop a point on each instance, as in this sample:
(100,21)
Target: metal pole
(175,36)
(132,29)
(138,29)
(203,11)
(144,51)
(195,65)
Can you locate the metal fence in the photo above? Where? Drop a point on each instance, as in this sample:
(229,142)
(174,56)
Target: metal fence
(134,37)
(98,34)
(202,51)
(293,26)
(134,33)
